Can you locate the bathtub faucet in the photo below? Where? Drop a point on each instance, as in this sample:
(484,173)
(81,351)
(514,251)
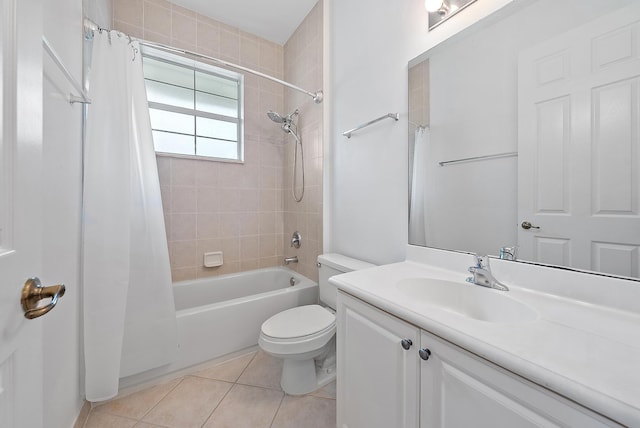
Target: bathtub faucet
(293,259)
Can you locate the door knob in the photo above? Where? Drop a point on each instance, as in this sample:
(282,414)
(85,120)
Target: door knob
(527,225)
(33,292)
(406,343)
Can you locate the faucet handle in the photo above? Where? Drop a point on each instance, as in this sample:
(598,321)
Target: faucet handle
(481,262)
(509,253)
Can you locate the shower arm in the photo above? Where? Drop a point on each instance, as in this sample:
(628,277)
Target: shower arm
(317,96)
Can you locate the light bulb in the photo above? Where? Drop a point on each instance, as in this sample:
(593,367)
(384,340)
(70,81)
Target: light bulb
(433,5)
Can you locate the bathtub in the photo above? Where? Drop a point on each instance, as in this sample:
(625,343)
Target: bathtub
(220,315)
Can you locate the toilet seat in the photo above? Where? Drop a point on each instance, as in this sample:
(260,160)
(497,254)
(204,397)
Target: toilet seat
(298,330)
(298,322)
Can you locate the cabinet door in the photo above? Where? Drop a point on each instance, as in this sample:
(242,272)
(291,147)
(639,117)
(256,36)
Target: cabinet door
(378,379)
(461,390)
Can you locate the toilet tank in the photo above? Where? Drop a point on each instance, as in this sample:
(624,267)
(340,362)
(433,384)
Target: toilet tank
(335,264)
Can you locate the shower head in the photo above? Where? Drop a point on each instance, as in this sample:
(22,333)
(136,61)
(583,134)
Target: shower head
(286,122)
(275,117)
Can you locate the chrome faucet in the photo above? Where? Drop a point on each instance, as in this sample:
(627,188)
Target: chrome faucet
(482,274)
(509,253)
(293,259)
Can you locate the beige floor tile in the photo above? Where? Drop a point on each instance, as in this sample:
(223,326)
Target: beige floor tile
(327,391)
(307,412)
(146,425)
(106,420)
(264,370)
(246,407)
(189,404)
(228,371)
(138,404)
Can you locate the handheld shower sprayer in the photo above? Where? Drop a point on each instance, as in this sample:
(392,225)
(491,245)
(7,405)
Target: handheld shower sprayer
(287,125)
(286,122)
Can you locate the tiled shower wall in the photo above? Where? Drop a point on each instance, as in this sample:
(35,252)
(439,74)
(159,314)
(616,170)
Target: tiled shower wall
(303,67)
(213,206)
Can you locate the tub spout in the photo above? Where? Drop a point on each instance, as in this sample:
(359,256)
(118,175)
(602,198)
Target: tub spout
(293,259)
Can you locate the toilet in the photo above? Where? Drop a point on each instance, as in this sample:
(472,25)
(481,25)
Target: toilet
(304,337)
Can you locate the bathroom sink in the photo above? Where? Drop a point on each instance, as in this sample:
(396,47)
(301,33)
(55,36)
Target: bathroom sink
(471,301)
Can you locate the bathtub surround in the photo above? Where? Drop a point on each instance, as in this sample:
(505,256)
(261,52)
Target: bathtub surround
(218,206)
(303,67)
(125,254)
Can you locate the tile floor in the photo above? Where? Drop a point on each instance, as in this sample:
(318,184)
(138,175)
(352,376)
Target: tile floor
(241,392)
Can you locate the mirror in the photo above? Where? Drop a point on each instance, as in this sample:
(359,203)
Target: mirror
(524,131)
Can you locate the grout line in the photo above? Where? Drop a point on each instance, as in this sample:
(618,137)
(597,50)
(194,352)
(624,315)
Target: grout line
(247,366)
(278,410)
(160,400)
(109,414)
(219,403)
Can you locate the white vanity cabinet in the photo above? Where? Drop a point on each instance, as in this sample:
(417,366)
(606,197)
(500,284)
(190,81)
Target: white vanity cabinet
(378,379)
(382,385)
(459,389)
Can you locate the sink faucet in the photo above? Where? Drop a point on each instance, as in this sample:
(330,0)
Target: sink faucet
(482,274)
(509,253)
(293,259)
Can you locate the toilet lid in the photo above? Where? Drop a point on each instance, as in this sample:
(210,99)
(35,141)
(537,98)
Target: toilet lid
(298,322)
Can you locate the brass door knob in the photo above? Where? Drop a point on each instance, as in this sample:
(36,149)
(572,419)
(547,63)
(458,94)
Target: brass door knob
(33,292)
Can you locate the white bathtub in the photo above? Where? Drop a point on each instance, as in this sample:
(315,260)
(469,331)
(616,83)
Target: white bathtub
(220,315)
(223,314)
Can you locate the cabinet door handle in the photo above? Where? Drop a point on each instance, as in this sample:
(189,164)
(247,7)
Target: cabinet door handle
(424,353)
(406,344)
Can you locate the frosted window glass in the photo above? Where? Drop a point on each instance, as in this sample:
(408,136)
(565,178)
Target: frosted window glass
(167,142)
(168,94)
(169,73)
(215,104)
(216,148)
(216,85)
(163,120)
(216,129)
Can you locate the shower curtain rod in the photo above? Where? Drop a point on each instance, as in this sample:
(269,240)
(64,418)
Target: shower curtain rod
(317,96)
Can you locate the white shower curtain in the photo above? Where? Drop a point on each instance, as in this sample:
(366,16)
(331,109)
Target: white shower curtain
(417,209)
(129,313)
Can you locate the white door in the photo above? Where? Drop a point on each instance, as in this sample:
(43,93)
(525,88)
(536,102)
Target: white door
(20,210)
(378,376)
(579,147)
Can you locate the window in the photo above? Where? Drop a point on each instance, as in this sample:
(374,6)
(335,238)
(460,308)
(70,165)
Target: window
(195,108)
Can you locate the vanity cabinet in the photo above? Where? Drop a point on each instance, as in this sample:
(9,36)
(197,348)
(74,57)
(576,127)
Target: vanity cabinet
(459,389)
(378,379)
(433,383)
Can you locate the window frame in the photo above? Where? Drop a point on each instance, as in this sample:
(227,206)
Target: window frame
(202,67)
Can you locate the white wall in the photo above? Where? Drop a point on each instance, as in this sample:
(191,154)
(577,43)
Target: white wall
(61,205)
(99,11)
(370,44)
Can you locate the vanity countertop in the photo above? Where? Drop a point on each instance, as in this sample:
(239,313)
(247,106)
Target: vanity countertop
(583,351)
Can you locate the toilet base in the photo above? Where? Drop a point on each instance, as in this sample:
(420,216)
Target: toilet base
(301,377)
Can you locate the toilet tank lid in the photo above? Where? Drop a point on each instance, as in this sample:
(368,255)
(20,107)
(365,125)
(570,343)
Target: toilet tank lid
(343,263)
